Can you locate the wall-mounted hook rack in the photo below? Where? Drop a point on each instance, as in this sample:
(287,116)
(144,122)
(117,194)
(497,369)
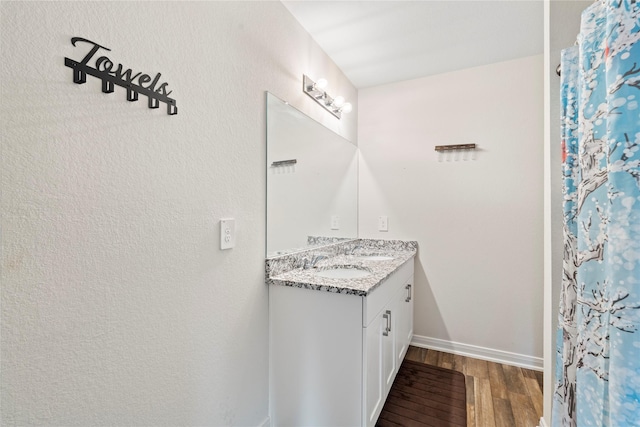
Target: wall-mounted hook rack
(111,75)
(284,163)
(454,147)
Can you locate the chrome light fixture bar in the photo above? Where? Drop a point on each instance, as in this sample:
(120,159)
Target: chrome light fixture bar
(315,90)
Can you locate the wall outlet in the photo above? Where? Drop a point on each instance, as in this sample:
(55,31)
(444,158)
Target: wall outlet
(383,223)
(227,233)
(335,222)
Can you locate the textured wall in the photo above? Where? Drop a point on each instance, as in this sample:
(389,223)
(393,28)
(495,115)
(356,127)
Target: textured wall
(479,275)
(118,308)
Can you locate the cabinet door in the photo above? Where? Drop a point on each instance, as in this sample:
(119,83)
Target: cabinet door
(408,329)
(390,315)
(374,398)
(403,307)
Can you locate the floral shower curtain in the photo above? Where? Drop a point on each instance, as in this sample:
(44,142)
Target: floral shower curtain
(598,340)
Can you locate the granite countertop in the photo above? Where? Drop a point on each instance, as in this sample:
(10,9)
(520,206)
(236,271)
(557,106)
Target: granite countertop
(302,271)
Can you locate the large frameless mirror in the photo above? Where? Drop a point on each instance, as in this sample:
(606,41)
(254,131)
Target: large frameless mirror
(312,181)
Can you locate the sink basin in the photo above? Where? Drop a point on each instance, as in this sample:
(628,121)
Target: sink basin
(375,257)
(343,273)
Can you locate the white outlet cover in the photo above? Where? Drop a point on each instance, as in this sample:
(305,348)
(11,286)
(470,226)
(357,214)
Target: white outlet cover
(227,233)
(335,222)
(383,223)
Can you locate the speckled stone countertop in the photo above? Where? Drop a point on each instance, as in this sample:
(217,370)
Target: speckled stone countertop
(300,269)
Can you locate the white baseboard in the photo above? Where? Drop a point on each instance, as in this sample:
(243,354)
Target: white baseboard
(543,423)
(492,355)
(265,423)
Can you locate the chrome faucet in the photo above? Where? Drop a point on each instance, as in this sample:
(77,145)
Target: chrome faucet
(311,262)
(353,249)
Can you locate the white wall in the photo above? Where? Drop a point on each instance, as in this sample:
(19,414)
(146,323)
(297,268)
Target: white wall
(118,308)
(479,276)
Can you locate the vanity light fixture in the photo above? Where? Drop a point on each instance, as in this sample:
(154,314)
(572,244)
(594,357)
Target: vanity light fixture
(320,85)
(315,90)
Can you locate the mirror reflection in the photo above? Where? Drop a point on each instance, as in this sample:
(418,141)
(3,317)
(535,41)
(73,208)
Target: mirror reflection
(311,182)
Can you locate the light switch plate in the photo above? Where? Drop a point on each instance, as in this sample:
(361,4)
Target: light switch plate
(227,233)
(383,223)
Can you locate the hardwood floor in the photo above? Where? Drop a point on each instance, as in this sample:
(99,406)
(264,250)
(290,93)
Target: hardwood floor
(497,395)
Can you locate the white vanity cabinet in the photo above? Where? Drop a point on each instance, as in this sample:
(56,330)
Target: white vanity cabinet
(388,333)
(334,356)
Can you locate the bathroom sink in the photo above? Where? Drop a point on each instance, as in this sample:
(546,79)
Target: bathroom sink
(375,257)
(343,273)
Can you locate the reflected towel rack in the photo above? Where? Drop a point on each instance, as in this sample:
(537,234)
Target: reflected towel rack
(455,147)
(284,163)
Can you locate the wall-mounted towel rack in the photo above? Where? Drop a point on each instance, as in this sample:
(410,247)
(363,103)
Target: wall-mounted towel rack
(103,66)
(454,147)
(284,163)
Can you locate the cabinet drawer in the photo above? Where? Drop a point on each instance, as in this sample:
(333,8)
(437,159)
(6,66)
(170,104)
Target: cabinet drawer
(376,300)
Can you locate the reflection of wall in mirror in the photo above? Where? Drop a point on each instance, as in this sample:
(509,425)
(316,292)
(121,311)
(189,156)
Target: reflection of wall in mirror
(302,197)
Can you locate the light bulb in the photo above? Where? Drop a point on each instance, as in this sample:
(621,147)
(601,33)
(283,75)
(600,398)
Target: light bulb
(338,101)
(321,84)
(346,108)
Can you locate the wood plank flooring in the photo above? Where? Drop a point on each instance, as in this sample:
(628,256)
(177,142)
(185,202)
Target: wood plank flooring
(497,395)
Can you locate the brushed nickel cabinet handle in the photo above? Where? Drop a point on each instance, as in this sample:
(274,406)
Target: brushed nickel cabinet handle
(386,329)
(389,321)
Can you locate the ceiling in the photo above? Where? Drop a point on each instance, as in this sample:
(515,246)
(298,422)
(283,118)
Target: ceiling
(378,42)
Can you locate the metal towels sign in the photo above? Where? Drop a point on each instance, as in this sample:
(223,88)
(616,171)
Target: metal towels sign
(112,74)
